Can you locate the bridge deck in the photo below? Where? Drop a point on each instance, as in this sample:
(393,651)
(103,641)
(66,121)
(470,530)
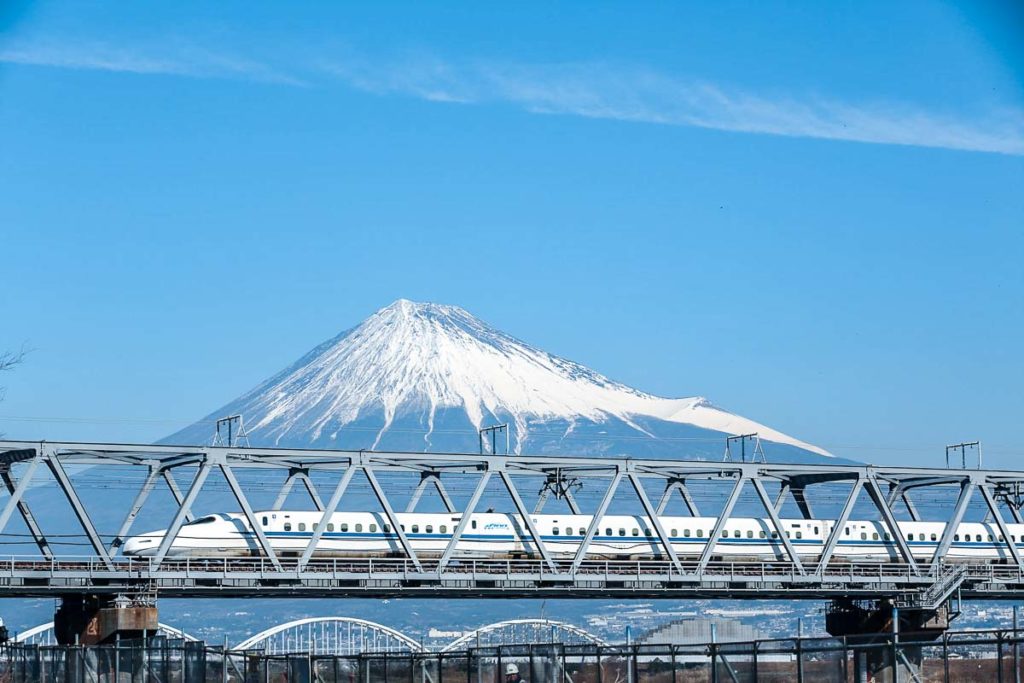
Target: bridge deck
(26,577)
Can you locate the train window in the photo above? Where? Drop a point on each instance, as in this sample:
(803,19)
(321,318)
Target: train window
(636,532)
(750,534)
(555,531)
(330,526)
(373,528)
(344,526)
(287,526)
(265,520)
(415,528)
(863,536)
(622,532)
(874,536)
(302,526)
(444,528)
(359,527)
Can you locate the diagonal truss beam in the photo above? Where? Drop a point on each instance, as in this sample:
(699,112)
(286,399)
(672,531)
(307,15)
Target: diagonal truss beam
(595,521)
(839,526)
(76,505)
(254,524)
(953,527)
(299,474)
(183,512)
(802,504)
(527,520)
(890,522)
(481,486)
(332,505)
(133,512)
(723,517)
(172,485)
(26,514)
(678,485)
(769,507)
(652,516)
(1011,543)
(898,492)
(430,479)
(780,498)
(392,517)
(19,491)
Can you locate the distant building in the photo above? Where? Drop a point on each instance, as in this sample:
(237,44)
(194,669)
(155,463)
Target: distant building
(698,632)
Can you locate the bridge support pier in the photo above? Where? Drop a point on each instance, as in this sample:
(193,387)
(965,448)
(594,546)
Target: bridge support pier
(96,619)
(874,640)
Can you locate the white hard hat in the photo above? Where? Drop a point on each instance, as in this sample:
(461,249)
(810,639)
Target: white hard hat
(511,669)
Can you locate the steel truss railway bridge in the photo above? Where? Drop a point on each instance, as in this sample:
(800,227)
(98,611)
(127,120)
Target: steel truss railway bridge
(909,584)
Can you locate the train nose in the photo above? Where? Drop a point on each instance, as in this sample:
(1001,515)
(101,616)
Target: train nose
(139,545)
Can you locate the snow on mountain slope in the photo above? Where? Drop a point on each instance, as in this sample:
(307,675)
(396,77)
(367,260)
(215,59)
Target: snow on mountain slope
(437,369)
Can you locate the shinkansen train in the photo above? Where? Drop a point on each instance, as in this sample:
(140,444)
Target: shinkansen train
(497,535)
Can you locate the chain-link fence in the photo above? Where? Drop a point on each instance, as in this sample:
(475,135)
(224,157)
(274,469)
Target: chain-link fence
(968,656)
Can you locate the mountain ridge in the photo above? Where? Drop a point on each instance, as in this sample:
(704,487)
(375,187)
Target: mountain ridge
(438,371)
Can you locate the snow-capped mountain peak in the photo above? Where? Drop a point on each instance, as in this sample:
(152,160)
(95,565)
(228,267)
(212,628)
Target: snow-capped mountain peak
(416,362)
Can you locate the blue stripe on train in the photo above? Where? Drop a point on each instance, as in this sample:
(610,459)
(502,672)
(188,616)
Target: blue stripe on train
(632,540)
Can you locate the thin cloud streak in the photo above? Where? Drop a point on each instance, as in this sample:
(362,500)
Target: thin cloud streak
(186,60)
(608,92)
(591,90)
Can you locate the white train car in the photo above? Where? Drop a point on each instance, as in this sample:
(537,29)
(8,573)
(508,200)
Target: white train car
(498,535)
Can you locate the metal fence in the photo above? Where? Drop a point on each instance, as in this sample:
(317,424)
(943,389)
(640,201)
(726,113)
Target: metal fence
(957,656)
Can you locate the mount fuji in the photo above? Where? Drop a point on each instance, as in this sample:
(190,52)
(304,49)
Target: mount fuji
(427,377)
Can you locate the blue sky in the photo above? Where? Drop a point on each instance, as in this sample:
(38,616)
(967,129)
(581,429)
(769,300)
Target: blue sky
(811,214)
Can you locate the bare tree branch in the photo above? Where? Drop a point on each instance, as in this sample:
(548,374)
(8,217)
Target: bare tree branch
(10,359)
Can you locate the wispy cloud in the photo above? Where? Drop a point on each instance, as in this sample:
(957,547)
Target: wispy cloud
(627,94)
(593,90)
(180,60)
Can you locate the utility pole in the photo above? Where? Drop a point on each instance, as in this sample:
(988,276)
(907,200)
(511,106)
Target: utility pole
(757,452)
(962,448)
(230,432)
(494,430)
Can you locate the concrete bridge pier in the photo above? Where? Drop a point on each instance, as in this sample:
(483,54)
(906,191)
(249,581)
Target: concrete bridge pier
(97,619)
(873,628)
